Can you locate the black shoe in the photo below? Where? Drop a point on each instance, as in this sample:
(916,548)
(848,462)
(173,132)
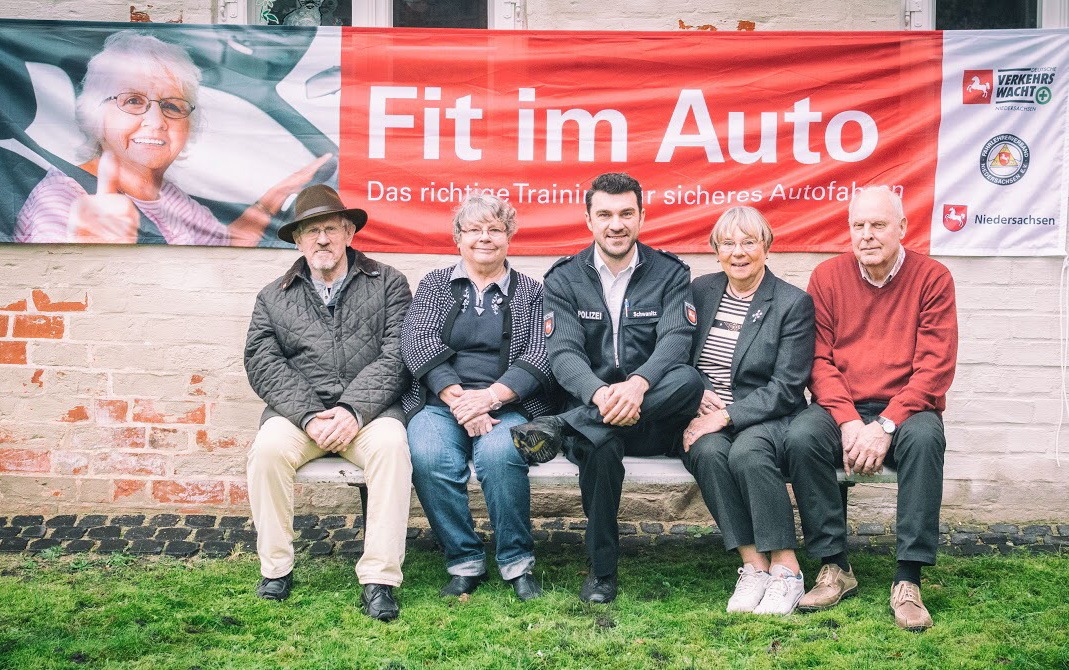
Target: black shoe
(540,439)
(599,590)
(458,585)
(526,587)
(275,589)
(377,602)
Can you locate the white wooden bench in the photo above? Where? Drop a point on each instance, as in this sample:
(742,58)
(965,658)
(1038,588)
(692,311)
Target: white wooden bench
(562,472)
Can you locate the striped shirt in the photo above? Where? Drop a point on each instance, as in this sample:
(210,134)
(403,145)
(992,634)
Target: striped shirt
(181,220)
(719,348)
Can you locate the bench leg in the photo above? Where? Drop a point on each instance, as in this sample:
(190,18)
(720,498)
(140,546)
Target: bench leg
(363,503)
(844,488)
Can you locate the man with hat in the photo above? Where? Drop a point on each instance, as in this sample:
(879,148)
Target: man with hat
(323,351)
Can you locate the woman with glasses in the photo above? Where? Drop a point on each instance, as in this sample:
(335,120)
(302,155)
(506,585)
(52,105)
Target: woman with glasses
(138,110)
(755,351)
(474,344)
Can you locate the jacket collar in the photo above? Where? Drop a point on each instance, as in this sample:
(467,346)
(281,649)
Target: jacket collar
(358,263)
(754,316)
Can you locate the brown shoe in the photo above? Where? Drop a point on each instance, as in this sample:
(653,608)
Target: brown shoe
(832,585)
(910,612)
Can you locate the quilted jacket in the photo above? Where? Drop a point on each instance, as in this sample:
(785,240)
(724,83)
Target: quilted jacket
(301,359)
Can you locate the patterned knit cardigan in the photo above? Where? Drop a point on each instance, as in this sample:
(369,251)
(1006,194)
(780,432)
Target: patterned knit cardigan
(430,320)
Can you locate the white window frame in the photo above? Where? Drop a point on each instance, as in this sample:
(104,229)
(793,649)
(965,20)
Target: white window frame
(501,14)
(920,14)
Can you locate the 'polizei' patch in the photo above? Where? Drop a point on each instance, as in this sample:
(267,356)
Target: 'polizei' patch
(548,323)
(691,313)
(590,315)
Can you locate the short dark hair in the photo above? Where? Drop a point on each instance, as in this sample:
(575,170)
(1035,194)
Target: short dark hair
(614,183)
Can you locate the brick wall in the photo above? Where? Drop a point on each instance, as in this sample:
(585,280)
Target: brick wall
(122,387)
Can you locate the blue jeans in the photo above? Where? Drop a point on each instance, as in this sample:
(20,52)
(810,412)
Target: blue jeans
(441,450)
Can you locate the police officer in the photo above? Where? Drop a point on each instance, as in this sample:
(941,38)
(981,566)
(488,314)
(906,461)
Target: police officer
(619,324)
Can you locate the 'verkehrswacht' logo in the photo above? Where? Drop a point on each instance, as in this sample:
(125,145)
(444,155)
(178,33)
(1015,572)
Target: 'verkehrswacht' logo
(1004,159)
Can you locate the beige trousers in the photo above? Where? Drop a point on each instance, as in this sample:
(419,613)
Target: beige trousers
(380,449)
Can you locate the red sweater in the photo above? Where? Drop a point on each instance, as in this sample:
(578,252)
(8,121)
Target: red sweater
(896,344)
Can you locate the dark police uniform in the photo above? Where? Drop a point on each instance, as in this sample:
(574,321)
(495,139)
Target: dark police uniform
(657,327)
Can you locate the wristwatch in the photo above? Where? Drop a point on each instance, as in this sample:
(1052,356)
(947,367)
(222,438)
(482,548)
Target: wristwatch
(887,425)
(495,402)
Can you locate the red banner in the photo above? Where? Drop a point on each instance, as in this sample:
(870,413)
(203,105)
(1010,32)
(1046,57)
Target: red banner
(790,123)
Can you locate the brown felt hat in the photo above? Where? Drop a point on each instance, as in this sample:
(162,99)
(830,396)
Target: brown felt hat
(315,201)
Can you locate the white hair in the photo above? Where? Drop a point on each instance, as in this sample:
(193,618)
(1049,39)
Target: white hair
(746,220)
(127,60)
(893,199)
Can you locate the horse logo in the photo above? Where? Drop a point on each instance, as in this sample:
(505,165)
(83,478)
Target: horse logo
(984,88)
(976,87)
(954,217)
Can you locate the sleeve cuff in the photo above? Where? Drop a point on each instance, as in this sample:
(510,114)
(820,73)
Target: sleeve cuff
(356,415)
(522,382)
(441,376)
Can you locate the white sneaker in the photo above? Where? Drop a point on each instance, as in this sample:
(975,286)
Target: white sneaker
(749,590)
(783,592)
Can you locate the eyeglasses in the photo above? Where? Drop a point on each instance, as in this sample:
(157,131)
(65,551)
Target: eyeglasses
(479,232)
(728,246)
(138,104)
(314,231)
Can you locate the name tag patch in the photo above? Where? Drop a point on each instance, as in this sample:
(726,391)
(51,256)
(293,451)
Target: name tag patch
(643,313)
(590,315)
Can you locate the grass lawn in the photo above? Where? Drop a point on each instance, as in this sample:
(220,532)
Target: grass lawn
(90,611)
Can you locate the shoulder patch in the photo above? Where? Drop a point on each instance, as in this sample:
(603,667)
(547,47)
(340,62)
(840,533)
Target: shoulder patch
(677,259)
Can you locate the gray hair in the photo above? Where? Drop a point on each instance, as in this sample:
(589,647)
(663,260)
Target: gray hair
(747,220)
(483,208)
(126,59)
(893,199)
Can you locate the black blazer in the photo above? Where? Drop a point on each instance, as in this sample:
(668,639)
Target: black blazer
(774,355)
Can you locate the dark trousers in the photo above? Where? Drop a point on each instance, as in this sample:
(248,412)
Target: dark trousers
(815,450)
(667,407)
(741,482)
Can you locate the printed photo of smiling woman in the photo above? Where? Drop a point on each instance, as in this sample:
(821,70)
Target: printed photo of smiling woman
(138,110)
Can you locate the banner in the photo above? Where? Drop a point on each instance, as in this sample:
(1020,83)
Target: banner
(185,134)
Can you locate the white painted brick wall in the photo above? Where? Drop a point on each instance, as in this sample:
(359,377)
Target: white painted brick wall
(158,319)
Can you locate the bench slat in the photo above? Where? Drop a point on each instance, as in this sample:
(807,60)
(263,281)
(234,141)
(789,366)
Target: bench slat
(561,471)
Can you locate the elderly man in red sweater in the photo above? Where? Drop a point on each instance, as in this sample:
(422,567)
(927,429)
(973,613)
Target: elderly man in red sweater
(887,344)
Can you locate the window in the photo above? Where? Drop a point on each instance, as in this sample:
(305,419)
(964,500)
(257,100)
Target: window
(499,14)
(985,14)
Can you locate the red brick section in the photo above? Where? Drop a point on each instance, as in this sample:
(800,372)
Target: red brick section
(111,411)
(36,378)
(12,353)
(44,304)
(75,414)
(38,326)
(124,488)
(24,460)
(3,325)
(239,494)
(17,306)
(189,492)
(145,412)
(205,442)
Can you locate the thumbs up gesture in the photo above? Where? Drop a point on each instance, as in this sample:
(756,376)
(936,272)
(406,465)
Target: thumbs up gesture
(107,217)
